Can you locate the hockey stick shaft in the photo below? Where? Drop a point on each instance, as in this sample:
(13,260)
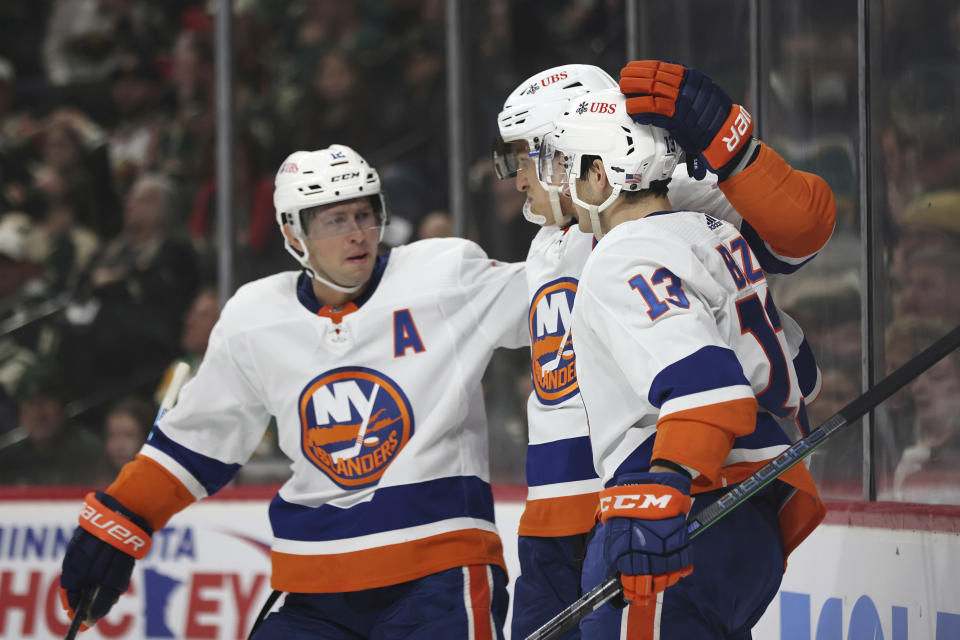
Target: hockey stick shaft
(179,376)
(86,599)
(596,597)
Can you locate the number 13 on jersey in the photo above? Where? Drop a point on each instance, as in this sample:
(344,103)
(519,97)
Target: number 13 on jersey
(665,280)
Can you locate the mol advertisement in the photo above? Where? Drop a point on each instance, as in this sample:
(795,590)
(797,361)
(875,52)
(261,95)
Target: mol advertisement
(860,583)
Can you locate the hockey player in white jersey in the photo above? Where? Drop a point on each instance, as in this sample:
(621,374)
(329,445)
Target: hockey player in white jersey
(687,378)
(562,483)
(372,366)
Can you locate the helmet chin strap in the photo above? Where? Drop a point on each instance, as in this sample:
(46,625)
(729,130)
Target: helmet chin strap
(336,287)
(553,192)
(592,208)
(529,214)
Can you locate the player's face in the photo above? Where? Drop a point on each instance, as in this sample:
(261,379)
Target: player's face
(342,239)
(526,181)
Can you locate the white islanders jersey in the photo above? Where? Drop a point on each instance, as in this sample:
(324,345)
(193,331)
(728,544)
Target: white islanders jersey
(676,333)
(561,479)
(378,408)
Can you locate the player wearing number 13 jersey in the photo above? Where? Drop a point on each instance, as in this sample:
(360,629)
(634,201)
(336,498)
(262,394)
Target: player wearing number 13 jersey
(563,484)
(689,385)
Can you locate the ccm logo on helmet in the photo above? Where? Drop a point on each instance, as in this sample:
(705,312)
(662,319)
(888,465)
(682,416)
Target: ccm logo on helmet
(110,527)
(345,176)
(632,501)
(557,77)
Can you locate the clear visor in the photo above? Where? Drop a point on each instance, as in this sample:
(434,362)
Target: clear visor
(554,166)
(507,156)
(325,221)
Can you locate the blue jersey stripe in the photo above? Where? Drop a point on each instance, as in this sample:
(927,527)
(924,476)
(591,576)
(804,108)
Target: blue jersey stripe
(766,434)
(706,369)
(805,364)
(561,461)
(210,473)
(391,508)
(768,262)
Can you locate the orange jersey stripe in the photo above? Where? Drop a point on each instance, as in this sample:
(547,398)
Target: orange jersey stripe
(479,604)
(642,620)
(387,565)
(564,516)
(145,487)
(792,210)
(701,438)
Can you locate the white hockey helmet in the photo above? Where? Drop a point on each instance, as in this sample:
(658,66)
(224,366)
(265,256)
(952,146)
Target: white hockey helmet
(597,124)
(528,114)
(308,179)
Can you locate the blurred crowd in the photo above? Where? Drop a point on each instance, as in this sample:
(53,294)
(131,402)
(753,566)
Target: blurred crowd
(108,191)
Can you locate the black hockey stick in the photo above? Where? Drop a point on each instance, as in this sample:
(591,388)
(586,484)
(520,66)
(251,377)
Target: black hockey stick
(592,600)
(264,610)
(83,608)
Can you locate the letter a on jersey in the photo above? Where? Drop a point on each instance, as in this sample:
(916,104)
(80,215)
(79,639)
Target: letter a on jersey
(405,334)
(553,363)
(353,423)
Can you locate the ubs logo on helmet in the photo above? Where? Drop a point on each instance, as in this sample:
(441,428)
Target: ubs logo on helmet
(353,423)
(553,365)
(556,77)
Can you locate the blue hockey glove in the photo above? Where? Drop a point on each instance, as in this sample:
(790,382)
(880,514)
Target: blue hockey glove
(101,554)
(646,540)
(712,131)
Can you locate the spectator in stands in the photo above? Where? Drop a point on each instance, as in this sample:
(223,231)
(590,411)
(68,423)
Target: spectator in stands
(75,147)
(80,44)
(930,221)
(189,145)
(17,130)
(18,276)
(254,218)
(336,106)
(929,469)
(128,316)
(125,429)
(436,224)
(135,140)
(930,286)
(58,243)
(197,325)
(51,449)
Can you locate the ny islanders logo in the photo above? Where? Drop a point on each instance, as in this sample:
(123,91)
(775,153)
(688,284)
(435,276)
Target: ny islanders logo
(353,423)
(553,364)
